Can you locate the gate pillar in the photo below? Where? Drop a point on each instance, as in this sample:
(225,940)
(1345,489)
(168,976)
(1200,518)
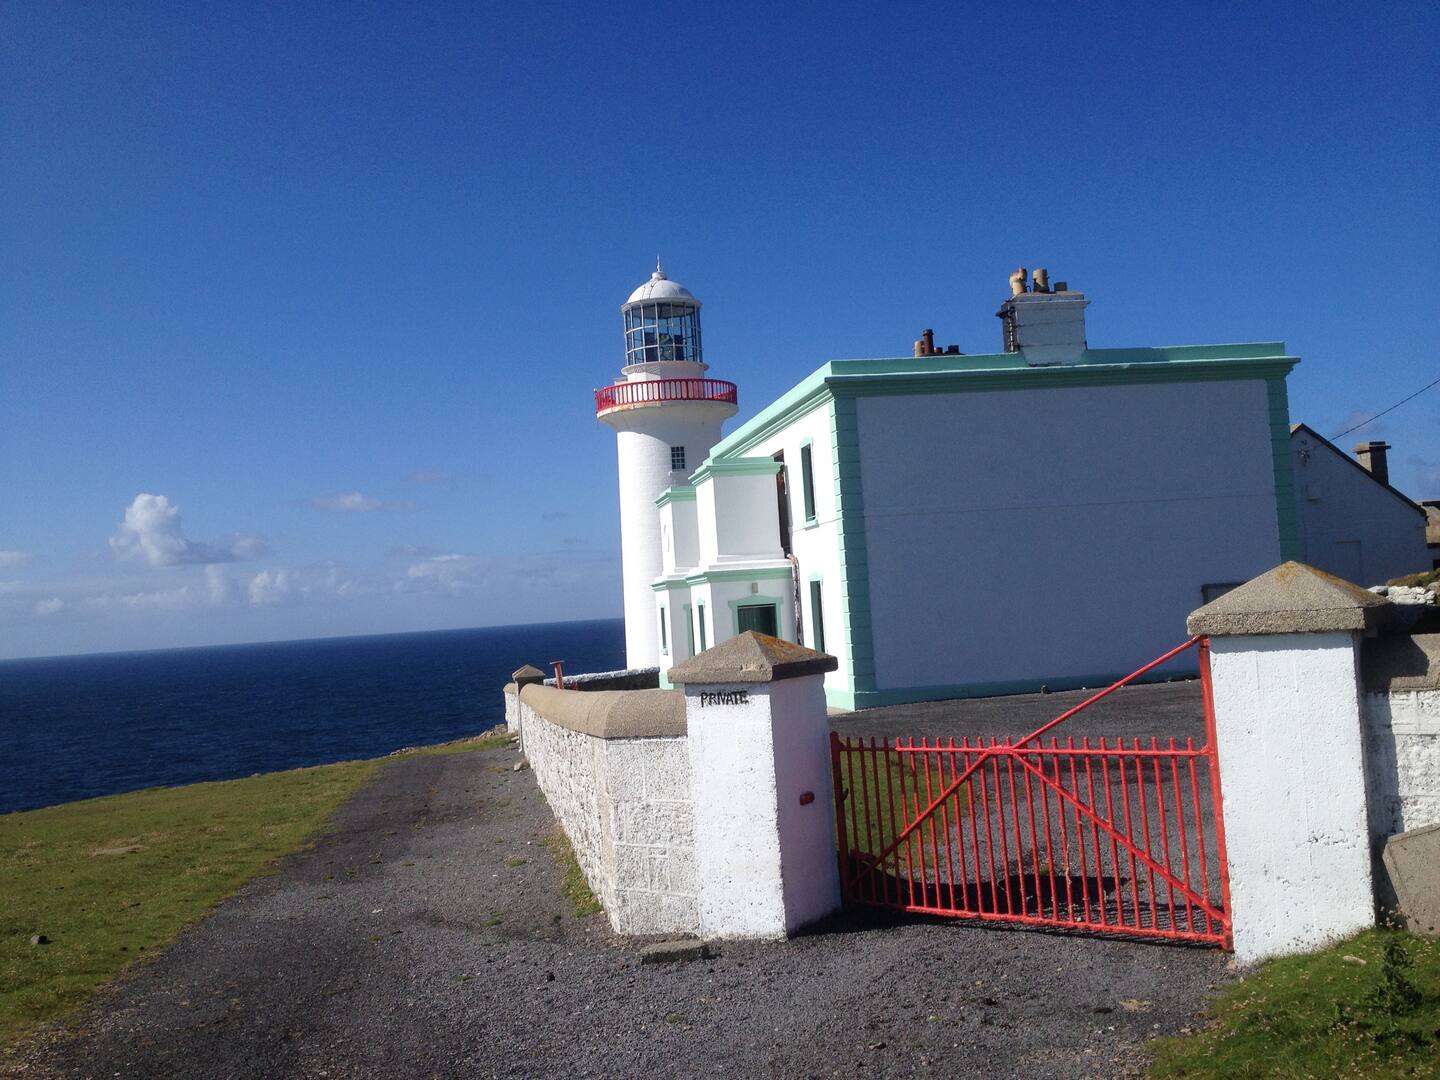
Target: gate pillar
(760,779)
(1284,694)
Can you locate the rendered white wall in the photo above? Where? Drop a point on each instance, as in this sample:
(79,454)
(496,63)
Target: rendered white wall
(816,547)
(765,867)
(677,521)
(1111,504)
(1350,526)
(643,458)
(737,519)
(1402,751)
(1288,736)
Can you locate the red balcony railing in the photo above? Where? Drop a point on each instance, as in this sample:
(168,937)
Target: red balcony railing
(655,391)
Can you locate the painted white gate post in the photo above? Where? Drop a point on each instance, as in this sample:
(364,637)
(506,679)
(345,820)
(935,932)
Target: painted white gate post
(760,779)
(1285,679)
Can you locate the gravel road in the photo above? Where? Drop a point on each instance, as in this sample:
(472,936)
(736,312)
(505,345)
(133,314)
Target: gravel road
(426,937)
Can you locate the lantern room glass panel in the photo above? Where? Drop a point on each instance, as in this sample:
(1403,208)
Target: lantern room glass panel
(664,330)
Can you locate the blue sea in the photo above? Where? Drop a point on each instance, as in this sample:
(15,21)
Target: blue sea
(79,726)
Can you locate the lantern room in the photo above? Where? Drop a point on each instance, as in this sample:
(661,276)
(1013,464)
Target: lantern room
(662,323)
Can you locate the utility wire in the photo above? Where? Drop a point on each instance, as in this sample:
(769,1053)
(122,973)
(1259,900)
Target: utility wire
(1382,412)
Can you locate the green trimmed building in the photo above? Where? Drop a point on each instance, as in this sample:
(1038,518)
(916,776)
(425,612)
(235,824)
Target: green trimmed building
(951,525)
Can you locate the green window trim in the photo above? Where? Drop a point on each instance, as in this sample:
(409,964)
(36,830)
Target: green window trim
(807,481)
(755,600)
(689,629)
(700,620)
(817,615)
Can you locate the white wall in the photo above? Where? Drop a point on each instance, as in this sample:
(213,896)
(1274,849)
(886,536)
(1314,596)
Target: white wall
(1288,737)
(737,519)
(766,863)
(816,547)
(643,458)
(681,553)
(1402,753)
(1350,526)
(1105,507)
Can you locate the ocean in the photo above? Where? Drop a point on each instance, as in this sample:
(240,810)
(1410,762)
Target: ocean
(75,727)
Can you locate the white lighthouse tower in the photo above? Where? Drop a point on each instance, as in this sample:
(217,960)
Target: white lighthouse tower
(666,417)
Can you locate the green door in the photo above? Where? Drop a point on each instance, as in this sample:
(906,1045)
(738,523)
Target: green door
(758,617)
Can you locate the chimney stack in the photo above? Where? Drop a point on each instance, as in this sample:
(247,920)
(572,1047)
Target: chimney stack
(1046,327)
(1371,455)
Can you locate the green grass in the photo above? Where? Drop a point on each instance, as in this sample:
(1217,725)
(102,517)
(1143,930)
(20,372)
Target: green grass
(574,887)
(173,854)
(1426,578)
(886,793)
(1322,1016)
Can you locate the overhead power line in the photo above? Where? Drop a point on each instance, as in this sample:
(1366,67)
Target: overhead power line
(1382,412)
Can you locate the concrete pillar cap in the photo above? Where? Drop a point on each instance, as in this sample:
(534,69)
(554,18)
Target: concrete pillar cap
(752,657)
(1293,598)
(529,671)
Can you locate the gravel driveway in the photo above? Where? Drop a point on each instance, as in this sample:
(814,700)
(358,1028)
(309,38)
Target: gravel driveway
(426,936)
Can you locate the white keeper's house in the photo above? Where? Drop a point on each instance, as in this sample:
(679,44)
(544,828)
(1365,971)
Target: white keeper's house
(948,525)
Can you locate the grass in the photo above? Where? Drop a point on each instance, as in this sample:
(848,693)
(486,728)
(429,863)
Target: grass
(1322,1015)
(1427,578)
(110,881)
(573,887)
(886,793)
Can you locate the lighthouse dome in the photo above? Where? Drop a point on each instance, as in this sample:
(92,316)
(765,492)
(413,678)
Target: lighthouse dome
(660,287)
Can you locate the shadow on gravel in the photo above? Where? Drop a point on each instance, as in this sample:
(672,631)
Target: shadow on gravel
(864,920)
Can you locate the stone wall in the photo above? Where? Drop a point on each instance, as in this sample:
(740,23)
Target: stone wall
(1401,708)
(632,679)
(615,768)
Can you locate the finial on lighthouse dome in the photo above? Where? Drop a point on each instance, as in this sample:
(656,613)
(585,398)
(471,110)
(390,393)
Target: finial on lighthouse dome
(662,322)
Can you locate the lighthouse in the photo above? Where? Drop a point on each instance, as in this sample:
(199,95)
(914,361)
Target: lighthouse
(666,415)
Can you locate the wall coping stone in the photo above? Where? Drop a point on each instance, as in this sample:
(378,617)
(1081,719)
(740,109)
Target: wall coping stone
(1394,663)
(529,671)
(511,689)
(1292,598)
(752,657)
(610,714)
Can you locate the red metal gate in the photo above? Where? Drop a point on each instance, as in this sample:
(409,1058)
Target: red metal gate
(1098,836)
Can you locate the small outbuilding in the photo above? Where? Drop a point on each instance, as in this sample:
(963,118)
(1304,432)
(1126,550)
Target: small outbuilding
(1352,522)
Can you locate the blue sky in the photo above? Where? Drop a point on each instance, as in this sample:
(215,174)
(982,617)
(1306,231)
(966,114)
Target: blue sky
(333,282)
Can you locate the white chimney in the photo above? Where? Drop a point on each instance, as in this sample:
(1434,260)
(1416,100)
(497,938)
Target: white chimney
(1047,327)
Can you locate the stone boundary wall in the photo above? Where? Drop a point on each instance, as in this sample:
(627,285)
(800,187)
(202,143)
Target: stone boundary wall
(633,679)
(615,767)
(1401,710)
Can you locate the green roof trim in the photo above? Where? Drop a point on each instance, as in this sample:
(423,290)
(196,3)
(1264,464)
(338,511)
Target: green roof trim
(764,573)
(678,493)
(668,584)
(736,466)
(999,372)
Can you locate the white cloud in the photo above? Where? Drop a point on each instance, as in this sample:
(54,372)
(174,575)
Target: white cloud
(15,558)
(270,587)
(49,606)
(353,502)
(151,533)
(217,585)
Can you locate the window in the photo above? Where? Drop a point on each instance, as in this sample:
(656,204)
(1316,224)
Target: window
(701,620)
(689,630)
(807,483)
(817,618)
(1216,590)
(758,617)
(664,640)
(677,457)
